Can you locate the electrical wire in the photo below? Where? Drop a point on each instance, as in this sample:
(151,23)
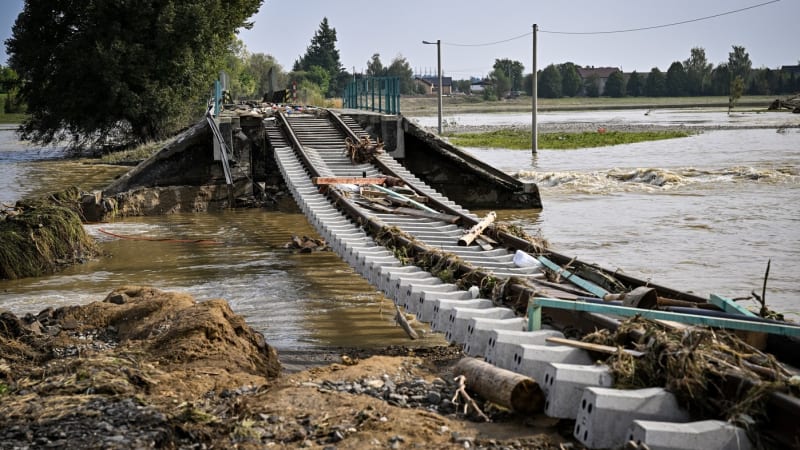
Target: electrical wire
(672,24)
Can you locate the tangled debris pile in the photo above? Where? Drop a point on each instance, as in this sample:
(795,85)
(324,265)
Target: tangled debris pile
(307,244)
(693,364)
(364,150)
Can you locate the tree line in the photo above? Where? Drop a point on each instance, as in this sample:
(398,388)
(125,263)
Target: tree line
(693,77)
(94,72)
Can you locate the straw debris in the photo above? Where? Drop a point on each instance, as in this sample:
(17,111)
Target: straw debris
(693,364)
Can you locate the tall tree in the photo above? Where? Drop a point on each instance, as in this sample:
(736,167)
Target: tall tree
(739,63)
(675,81)
(721,80)
(375,66)
(591,85)
(571,82)
(500,83)
(615,85)
(550,82)
(139,70)
(323,53)
(698,72)
(402,69)
(634,87)
(266,72)
(512,70)
(654,86)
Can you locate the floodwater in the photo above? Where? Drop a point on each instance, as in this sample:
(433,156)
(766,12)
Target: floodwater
(703,213)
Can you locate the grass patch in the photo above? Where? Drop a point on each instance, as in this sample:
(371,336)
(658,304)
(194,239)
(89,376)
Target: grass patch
(521,139)
(133,156)
(39,236)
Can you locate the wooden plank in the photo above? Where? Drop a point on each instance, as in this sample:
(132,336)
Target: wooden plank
(593,347)
(729,306)
(536,304)
(476,230)
(572,278)
(347,180)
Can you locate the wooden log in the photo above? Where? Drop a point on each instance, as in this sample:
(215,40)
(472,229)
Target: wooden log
(347,180)
(500,386)
(607,349)
(476,230)
(400,318)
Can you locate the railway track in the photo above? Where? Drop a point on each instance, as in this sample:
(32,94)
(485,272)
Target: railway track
(308,146)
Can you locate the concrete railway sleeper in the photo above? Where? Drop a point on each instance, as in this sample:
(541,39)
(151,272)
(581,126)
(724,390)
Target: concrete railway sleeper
(575,387)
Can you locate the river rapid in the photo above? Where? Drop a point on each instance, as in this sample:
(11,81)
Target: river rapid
(703,214)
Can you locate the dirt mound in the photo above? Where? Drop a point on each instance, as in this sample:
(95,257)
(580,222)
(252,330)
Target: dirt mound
(152,369)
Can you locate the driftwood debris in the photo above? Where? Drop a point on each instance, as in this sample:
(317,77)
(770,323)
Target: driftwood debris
(401,320)
(307,244)
(607,349)
(363,150)
(500,386)
(476,230)
(791,103)
(461,391)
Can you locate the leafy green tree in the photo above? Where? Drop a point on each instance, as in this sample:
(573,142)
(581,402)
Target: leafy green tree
(571,82)
(592,85)
(721,80)
(550,82)
(375,67)
(698,72)
(501,85)
(675,81)
(655,85)
(464,86)
(615,85)
(634,87)
(527,83)
(737,88)
(512,70)
(264,68)
(241,82)
(323,53)
(402,69)
(8,79)
(134,70)
(739,63)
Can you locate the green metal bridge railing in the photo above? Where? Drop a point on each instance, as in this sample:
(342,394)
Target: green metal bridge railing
(380,94)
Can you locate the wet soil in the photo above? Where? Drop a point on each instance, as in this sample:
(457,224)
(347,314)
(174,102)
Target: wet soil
(151,369)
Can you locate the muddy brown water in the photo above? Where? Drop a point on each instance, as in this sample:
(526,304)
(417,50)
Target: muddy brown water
(703,213)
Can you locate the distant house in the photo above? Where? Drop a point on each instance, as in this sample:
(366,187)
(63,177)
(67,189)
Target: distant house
(431,85)
(478,85)
(601,73)
(793,70)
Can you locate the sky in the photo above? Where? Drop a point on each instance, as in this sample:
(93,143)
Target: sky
(284,30)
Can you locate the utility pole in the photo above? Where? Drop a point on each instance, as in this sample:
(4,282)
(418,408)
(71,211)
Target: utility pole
(439,71)
(535,101)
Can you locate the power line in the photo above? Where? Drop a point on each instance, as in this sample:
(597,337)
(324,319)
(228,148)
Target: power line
(672,24)
(714,16)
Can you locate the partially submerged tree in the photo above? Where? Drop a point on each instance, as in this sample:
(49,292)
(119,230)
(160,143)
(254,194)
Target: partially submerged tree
(130,70)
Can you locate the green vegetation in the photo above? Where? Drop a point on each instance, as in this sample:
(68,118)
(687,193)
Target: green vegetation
(521,139)
(6,118)
(39,236)
(134,155)
(127,71)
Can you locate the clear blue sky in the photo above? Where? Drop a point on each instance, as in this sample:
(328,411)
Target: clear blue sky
(284,29)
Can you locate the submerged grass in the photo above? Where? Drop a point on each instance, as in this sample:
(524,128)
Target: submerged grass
(39,236)
(521,139)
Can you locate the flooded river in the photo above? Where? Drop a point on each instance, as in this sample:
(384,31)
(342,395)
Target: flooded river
(702,213)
